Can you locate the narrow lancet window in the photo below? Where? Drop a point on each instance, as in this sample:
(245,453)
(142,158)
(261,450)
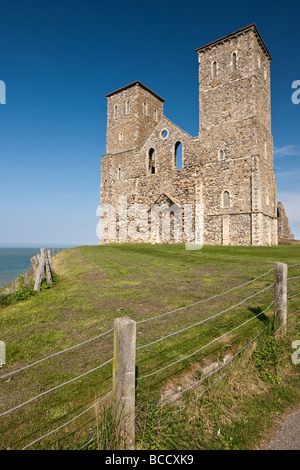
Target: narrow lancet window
(226,199)
(234,63)
(115,111)
(214,69)
(178,156)
(151,167)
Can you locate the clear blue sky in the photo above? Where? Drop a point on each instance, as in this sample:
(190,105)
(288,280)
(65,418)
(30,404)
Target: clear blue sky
(60,58)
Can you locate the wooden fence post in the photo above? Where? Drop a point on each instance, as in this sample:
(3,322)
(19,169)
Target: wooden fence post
(124,381)
(50,258)
(280,298)
(40,270)
(34,264)
(48,268)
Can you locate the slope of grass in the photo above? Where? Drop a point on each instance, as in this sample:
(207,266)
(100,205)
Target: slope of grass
(96,285)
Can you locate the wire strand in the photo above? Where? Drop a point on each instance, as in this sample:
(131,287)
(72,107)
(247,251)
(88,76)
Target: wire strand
(295,312)
(95,437)
(220,367)
(206,319)
(55,388)
(294,277)
(208,344)
(55,354)
(65,424)
(292,296)
(206,300)
(211,373)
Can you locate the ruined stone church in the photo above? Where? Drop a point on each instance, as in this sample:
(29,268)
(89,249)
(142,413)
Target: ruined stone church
(227,170)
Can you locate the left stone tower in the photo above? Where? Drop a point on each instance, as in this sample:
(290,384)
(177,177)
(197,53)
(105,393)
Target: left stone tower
(132,113)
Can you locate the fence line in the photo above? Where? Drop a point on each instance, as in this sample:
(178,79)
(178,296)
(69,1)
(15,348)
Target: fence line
(283,294)
(70,421)
(56,387)
(294,277)
(141,321)
(295,312)
(94,437)
(289,279)
(210,374)
(206,300)
(206,319)
(208,344)
(55,354)
(292,296)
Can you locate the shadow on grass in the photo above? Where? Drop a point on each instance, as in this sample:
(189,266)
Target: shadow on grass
(262,317)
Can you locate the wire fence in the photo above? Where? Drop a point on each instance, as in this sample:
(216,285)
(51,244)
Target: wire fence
(183,358)
(198,382)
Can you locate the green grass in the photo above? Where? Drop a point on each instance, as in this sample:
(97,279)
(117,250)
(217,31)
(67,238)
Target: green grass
(97,284)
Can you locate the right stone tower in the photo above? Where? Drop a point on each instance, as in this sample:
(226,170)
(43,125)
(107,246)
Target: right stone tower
(235,129)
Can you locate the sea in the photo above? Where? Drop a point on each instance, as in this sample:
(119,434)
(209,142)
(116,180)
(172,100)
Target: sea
(15,261)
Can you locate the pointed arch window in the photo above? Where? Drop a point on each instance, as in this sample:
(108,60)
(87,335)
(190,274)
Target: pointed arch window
(221,154)
(127,108)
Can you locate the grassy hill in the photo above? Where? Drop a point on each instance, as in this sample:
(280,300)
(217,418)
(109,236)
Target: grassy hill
(96,284)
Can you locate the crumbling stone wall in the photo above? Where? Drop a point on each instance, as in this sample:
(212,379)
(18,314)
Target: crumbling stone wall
(284,232)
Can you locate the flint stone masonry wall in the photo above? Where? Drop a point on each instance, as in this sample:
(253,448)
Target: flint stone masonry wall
(136,124)
(235,118)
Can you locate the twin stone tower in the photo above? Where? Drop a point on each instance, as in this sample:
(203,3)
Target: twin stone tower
(161,185)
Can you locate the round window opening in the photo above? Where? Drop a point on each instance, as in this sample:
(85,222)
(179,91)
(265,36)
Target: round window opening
(164,133)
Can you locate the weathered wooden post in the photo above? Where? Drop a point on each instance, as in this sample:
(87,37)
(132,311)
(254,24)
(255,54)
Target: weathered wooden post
(49,258)
(48,267)
(124,381)
(280,298)
(40,270)
(34,264)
